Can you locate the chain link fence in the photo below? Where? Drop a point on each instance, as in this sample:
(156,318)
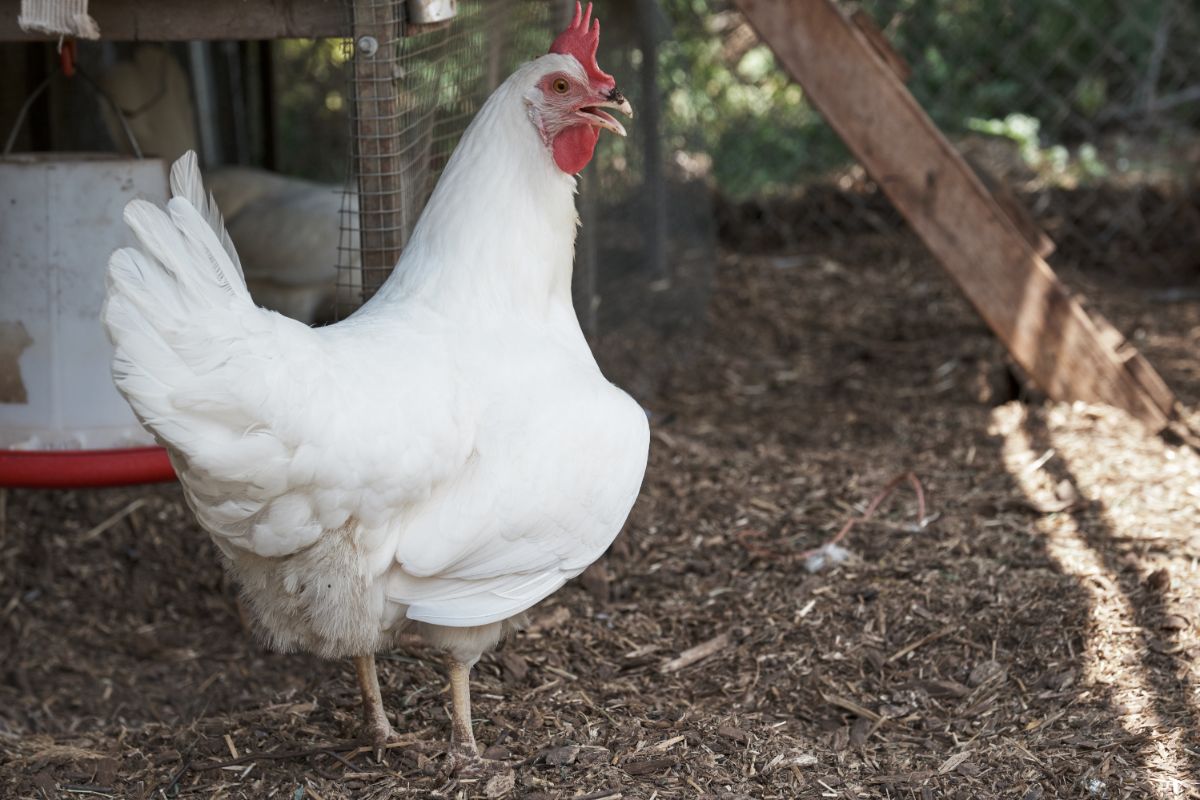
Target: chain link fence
(1087,110)
(415,91)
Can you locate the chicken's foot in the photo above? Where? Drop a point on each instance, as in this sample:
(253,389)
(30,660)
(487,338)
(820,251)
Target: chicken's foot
(375,722)
(464,753)
(461,735)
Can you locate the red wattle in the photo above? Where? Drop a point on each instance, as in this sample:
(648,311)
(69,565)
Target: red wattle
(573,148)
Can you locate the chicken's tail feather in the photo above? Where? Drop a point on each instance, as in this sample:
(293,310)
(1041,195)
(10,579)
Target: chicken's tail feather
(189,243)
(187,183)
(140,297)
(180,287)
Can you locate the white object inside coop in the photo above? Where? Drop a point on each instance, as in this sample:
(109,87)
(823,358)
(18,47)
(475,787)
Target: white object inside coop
(56,390)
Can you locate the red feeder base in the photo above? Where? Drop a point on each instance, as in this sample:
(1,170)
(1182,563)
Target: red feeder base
(73,469)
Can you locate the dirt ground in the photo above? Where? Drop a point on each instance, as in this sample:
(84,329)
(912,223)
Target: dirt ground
(1036,638)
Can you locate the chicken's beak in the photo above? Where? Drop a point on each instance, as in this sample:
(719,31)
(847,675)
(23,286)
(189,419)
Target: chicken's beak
(601,119)
(618,101)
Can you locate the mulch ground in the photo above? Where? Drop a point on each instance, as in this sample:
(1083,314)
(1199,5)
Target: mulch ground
(1035,636)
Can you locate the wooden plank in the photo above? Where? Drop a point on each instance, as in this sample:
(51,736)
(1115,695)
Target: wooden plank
(181,20)
(866,23)
(1046,329)
(1041,243)
(377,157)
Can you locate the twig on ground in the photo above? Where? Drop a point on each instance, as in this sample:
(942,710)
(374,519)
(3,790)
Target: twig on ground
(697,653)
(178,776)
(922,518)
(924,640)
(323,749)
(111,520)
(744,537)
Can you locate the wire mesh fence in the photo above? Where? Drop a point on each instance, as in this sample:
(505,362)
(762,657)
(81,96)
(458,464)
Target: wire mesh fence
(647,251)
(415,90)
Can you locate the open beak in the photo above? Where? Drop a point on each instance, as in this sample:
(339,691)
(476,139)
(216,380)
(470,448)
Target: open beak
(595,114)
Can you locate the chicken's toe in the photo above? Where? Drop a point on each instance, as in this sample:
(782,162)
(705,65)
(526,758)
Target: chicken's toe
(466,762)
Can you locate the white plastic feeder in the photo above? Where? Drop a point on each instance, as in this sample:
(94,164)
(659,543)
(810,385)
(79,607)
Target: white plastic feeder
(62,422)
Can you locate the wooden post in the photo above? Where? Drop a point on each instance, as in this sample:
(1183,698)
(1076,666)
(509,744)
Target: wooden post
(649,123)
(1045,328)
(377,30)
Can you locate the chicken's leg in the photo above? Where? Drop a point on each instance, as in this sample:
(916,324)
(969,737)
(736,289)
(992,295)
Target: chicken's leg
(462,737)
(375,721)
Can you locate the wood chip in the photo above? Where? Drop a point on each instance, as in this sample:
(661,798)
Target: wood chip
(560,672)
(698,653)
(852,707)
(909,777)
(549,621)
(500,785)
(730,732)
(561,756)
(924,640)
(860,731)
(952,763)
(648,766)
(667,744)
(514,665)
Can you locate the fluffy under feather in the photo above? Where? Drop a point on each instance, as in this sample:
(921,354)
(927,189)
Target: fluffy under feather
(449,455)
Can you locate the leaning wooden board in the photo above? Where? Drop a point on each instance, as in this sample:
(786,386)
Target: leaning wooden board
(1071,355)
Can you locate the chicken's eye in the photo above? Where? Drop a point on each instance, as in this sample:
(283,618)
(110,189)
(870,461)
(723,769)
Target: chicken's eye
(561,86)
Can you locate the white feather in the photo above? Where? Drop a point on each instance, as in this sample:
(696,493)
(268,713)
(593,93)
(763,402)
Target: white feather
(187,183)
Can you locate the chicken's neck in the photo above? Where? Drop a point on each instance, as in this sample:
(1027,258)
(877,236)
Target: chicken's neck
(498,234)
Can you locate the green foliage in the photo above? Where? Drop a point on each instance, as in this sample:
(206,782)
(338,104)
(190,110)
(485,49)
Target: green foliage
(1055,76)
(1022,129)
(1054,163)
(743,110)
(311,106)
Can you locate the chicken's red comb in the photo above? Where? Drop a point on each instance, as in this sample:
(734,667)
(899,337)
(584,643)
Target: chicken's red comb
(580,41)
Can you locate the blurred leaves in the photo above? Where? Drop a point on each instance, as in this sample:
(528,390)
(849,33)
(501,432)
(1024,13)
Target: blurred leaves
(1058,77)
(1055,76)
(311,106)
(726,95)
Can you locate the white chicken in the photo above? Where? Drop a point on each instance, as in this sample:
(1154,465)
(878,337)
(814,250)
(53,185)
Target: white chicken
(441,460)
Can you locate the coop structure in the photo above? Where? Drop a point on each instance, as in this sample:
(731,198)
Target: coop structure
(417,72)
(375,27)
